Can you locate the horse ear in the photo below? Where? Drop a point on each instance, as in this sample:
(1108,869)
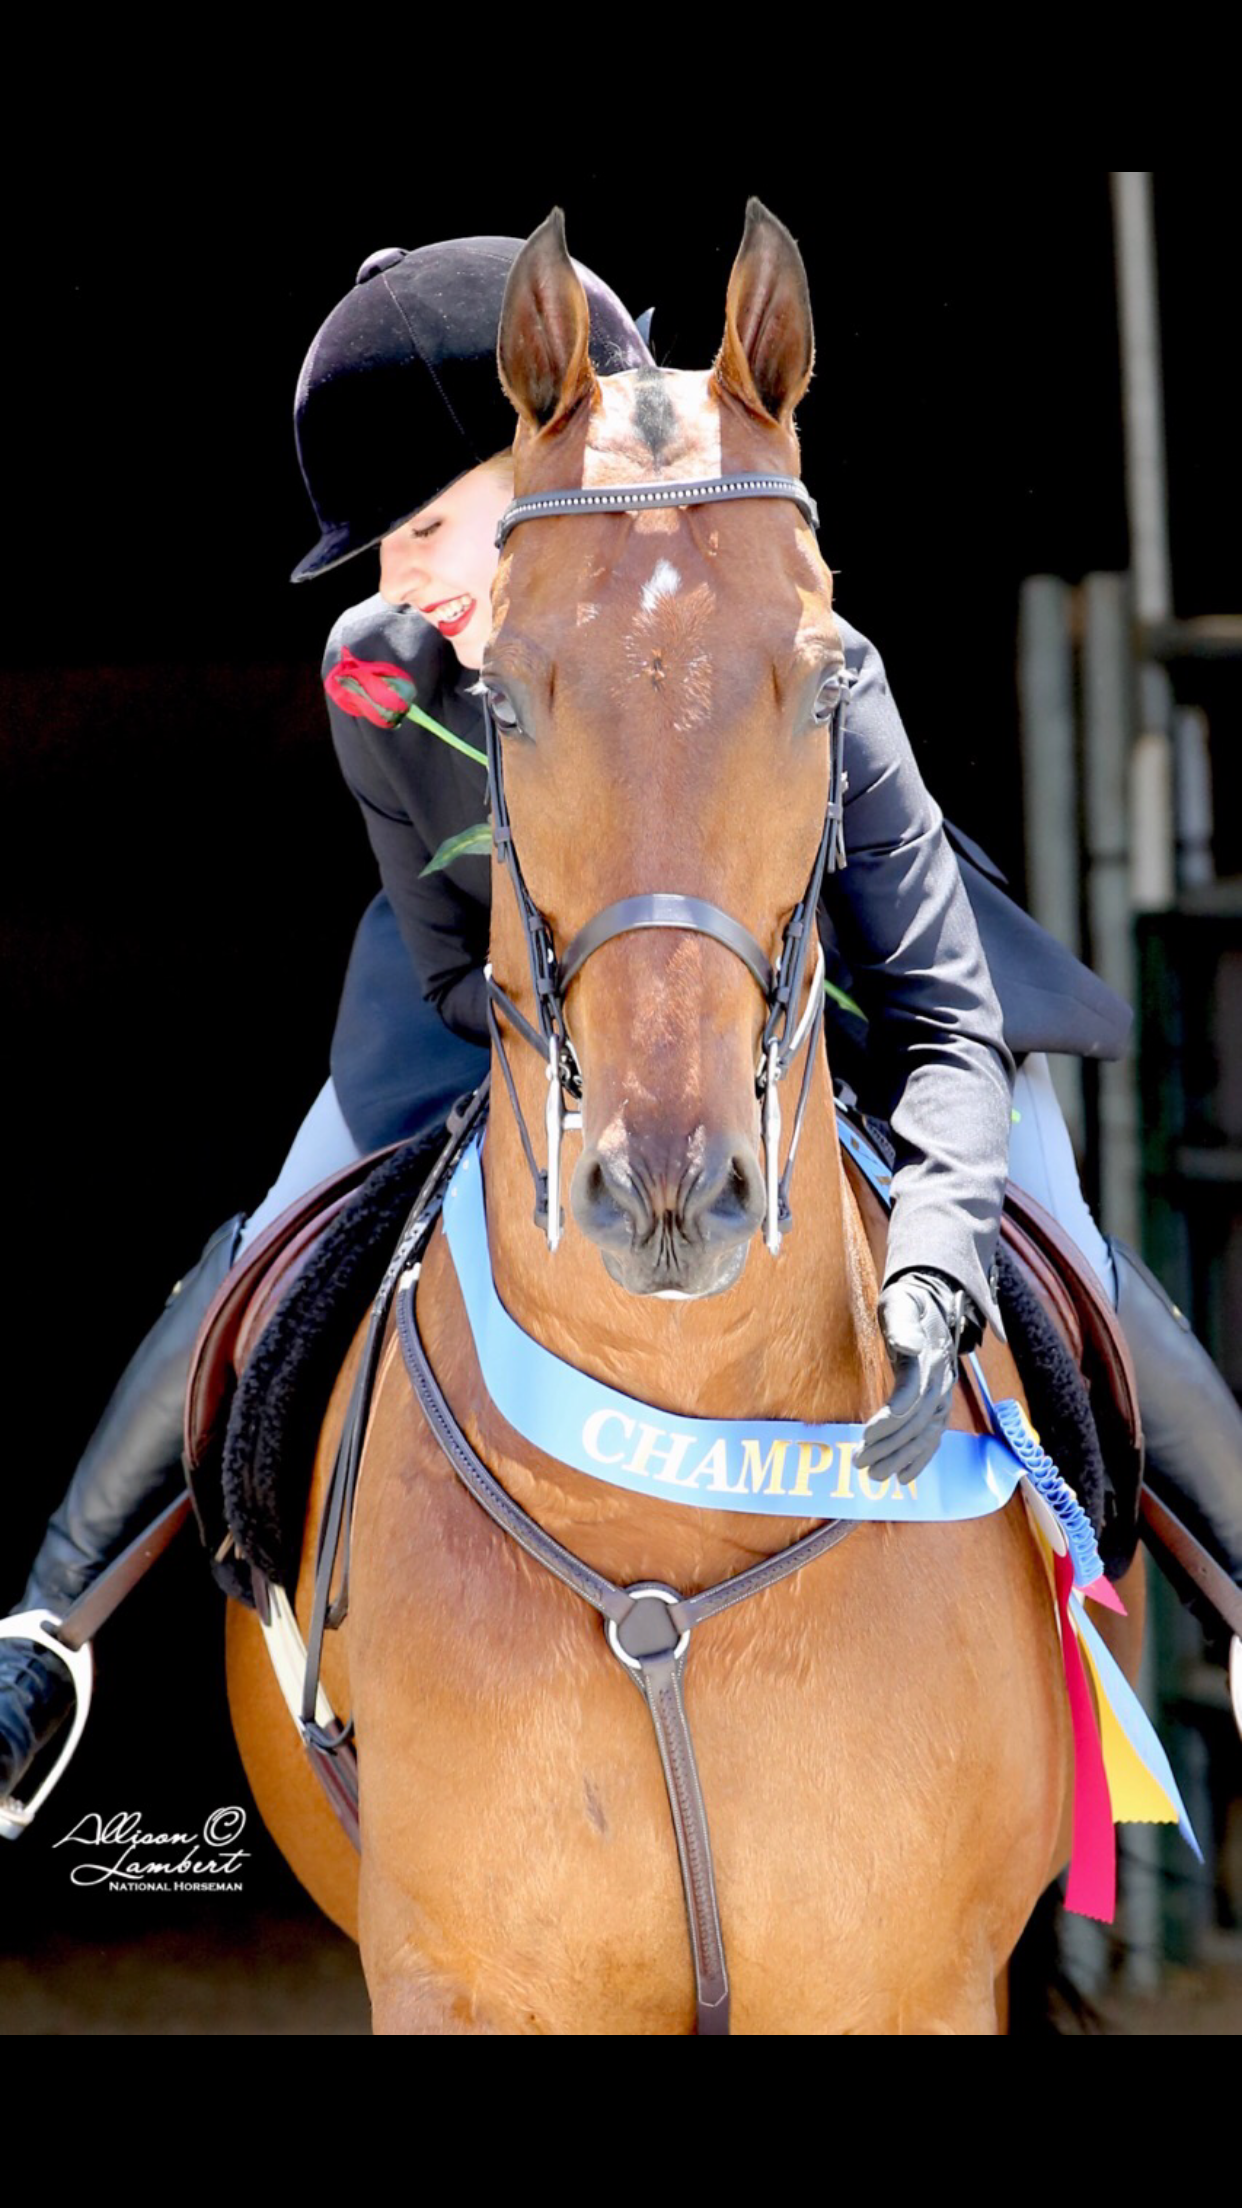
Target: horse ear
(545,331)
(768,353)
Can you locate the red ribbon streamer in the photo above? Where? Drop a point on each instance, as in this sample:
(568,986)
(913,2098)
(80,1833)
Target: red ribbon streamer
(1091,1890)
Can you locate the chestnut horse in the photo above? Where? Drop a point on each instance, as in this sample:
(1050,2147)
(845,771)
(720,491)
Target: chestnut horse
(883,1738)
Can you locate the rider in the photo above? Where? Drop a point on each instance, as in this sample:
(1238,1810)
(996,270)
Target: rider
(403,433)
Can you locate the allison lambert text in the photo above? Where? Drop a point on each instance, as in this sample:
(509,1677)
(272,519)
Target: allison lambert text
(129,1867)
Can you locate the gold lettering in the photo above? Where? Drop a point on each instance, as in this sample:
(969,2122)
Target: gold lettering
(875,1490)
(674,1449)
(715,1466)
(755,1469)
(845,1460)
(813,1457)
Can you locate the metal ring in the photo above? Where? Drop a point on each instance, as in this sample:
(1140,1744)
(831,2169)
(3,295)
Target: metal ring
(656,1591)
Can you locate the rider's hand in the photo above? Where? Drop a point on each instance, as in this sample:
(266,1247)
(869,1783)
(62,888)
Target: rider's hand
(924,1318)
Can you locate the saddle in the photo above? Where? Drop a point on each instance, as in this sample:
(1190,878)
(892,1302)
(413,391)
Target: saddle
(243,1307)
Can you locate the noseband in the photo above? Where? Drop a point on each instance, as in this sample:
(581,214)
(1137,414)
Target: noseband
(782,1038)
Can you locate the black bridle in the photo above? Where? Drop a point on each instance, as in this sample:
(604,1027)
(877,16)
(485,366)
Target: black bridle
(551,976)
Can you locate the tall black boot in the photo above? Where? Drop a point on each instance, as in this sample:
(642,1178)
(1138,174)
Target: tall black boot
(130,1469)
(1191,1422)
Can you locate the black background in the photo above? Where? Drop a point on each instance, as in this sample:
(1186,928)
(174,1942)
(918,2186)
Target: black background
(180,867)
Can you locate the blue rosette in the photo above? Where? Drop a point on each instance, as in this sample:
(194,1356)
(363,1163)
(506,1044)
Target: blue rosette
(1038,1467)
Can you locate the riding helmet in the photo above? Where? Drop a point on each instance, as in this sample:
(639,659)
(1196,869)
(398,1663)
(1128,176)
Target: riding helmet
(400,394)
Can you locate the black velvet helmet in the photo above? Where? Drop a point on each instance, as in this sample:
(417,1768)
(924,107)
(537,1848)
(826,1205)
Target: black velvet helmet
(400,394)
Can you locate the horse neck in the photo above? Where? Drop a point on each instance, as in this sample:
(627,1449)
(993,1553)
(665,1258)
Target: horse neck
(795,1336)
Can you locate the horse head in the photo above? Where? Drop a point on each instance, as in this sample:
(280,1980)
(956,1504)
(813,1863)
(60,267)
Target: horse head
(662,685)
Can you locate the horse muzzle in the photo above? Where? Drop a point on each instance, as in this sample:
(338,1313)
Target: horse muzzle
(673,1217)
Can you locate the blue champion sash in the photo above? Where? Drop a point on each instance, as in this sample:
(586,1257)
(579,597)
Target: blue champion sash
(782,1467)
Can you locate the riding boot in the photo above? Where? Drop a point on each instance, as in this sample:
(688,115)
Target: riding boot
(1192,1425)
(130,1469)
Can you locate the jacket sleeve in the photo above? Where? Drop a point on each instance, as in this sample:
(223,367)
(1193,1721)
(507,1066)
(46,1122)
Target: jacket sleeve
(938,1066)
(445,933)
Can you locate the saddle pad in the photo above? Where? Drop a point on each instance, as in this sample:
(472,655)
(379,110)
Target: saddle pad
(268,1358)
(1107,1370)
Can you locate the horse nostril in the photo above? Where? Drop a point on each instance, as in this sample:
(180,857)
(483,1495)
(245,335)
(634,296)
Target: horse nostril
(730,1204)
(606,1208)
(594,1184)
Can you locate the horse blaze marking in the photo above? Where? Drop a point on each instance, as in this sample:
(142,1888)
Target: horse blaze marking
(665,582)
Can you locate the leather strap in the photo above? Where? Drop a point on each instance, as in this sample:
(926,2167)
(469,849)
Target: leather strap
(550,979)
(1163,1530)
(663,909)
(657,1673)
(84,1617)
(633,498)
(334,1762)
(656,1666)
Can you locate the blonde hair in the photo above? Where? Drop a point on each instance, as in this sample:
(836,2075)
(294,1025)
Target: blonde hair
(501,463)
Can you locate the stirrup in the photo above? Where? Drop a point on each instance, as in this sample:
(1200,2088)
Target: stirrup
(33,1625)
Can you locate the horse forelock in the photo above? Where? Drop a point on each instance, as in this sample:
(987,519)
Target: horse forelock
(654,422)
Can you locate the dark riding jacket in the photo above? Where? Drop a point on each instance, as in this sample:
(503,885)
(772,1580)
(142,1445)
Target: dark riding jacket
(905,925)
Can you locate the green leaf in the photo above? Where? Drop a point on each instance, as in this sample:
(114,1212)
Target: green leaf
(458,743)
(460,846)
(839,997)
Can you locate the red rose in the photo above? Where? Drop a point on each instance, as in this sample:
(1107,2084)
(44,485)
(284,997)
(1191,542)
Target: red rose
(370,689)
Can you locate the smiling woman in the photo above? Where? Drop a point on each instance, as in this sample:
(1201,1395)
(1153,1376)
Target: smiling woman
(442,561)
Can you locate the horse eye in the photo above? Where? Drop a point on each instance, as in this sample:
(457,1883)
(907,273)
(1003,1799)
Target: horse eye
(503,713)
(828,697)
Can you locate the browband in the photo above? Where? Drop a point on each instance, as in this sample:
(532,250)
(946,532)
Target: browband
(632,498)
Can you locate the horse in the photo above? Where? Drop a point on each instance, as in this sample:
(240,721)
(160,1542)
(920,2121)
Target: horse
(882,1738)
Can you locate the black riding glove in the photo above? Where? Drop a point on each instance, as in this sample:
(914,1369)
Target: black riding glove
(927,1321)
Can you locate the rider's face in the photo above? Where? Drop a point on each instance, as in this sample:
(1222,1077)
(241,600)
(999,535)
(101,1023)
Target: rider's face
(442,561)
